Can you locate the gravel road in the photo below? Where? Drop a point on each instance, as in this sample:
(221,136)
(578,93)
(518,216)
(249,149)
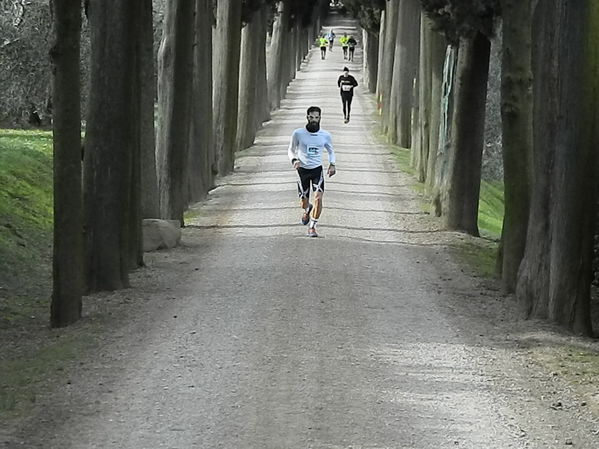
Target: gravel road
(252,335)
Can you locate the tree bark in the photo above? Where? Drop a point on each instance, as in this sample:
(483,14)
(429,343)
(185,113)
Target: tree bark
(150,203)
(111,144)
(425,109)
(202,156)
(175,69)
(380,56)
(386,63)
(67,286)
(275,64)
(516,114)
(439,200)
(370,48)
(408,43)
(252,42)
(264,104)
(575,192)
(465,161)
(438,48)
(226,82)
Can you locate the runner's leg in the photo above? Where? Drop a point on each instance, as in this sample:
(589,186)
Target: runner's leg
(349,99)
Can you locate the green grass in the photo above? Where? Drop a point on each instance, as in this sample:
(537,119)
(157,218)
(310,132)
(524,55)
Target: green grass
(25,221)
(490,209)
(479,255)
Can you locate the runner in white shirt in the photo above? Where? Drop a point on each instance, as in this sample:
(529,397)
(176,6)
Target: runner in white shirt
(305,153)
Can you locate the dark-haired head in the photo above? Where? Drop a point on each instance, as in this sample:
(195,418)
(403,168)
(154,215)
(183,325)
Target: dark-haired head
(313,109)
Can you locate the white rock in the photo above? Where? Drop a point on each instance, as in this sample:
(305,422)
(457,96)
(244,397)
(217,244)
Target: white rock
(160,234)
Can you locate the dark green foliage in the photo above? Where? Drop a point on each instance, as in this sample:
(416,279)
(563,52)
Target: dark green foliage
(249,7)
(301,12)
(367,12)
(462,18)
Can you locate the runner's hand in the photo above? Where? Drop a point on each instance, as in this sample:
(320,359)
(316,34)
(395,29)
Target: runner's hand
(331,170)
(296,164)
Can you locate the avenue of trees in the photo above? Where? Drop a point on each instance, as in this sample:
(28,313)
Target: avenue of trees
(159,125)
(431,91)
(166,113)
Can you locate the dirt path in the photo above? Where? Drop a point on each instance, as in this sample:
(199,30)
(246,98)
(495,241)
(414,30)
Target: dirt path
(251,335)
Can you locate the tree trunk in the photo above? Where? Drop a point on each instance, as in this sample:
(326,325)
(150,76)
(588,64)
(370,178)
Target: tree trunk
(380,56)
(67,286)
(408,42)
(175,69)
(532,288)
(226,82)
(274,66)
(111,143)
(251,42)
(142,122)
(202,155)
(425,108)
(516,114)
(370,48)
(150,203)
(573,199)
(465,161)
(439,200)
(386,63)
(264,104)
(437,47)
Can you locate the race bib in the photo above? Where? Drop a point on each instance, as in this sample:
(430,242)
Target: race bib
(346,87)
(312,151)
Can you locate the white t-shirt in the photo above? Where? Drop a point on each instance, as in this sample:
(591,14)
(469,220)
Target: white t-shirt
(309,147)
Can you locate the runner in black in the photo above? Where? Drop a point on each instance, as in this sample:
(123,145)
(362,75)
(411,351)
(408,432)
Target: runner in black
(346,84)
(352,47)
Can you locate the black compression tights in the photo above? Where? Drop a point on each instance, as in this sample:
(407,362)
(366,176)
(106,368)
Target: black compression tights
(346,99)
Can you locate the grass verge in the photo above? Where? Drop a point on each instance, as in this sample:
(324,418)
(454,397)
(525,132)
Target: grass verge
(25,223)
(479,255)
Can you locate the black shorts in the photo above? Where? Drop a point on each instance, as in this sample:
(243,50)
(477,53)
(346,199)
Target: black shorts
(310,176)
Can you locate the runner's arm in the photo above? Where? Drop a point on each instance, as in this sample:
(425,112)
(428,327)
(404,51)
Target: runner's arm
(292,150)
(328,144)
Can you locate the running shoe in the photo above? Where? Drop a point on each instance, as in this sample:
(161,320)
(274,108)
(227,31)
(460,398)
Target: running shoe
(306,216)
(312,232)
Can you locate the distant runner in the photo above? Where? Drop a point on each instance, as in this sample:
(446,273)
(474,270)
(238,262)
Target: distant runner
(323,42)
(305,153)
(346,84)
(343,40)
(352,47)
(331,38)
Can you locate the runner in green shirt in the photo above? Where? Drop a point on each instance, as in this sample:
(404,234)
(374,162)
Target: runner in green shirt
(343,40)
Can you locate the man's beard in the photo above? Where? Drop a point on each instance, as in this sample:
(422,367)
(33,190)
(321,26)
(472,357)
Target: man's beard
(313,127)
